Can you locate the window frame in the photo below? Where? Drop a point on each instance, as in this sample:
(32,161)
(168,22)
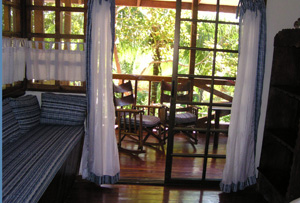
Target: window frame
(25,27)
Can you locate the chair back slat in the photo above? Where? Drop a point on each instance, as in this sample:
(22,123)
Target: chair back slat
(126,98)
(122,88)
(124,101)
(183,92)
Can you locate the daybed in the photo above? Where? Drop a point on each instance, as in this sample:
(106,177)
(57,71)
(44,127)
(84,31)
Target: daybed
(41,146)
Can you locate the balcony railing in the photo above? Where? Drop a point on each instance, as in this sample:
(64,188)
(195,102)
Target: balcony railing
(202,83)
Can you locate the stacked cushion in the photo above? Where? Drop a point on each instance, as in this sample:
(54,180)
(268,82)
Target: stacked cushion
(27,111)
(63,109)
(34,152)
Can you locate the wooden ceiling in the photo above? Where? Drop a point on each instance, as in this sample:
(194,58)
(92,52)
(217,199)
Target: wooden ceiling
(204,5)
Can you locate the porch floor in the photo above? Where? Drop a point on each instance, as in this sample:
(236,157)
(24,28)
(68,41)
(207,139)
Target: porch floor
(150,166)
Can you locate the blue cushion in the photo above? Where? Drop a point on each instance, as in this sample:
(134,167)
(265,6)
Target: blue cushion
(27,111)
(30,164)
(63,109)
(148,121)
(10,125)
(184,118)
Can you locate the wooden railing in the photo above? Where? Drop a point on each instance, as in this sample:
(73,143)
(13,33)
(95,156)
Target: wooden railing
(203,84)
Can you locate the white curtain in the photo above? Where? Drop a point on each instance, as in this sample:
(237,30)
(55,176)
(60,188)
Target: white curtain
(239,171)
(100,160)
(13,60)
(67,63)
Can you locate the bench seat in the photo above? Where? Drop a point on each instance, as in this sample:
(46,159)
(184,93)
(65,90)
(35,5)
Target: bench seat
(31,162)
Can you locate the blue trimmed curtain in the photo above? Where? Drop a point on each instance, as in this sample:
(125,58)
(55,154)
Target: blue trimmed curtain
(239,171)
(100,158)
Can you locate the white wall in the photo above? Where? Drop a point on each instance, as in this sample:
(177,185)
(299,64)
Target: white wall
(281,14)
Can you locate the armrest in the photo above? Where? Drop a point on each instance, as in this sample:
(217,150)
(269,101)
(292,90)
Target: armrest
(130,110)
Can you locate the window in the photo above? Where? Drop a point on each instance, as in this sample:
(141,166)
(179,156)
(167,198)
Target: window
(58,21)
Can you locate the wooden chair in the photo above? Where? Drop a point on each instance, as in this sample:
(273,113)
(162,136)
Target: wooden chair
(131,121)
(184,116)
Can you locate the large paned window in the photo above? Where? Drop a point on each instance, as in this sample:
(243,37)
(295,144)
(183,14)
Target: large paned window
(47,25)
(62,21)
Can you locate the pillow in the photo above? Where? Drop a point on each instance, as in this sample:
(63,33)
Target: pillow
(10,126)
(61,109)
(27,111)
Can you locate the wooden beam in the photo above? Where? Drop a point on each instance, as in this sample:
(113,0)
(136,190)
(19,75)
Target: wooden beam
(198,82)
(193,37)
(138,4)
(39,21)
(67,24)
(42,35)
(172,5)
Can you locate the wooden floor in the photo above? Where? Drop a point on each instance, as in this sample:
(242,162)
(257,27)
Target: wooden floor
(151,165)
(86,192)
(137,170)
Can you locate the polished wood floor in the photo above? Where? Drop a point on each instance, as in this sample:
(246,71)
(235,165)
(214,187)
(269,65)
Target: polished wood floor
(150,166)
(86,192)
(144,175)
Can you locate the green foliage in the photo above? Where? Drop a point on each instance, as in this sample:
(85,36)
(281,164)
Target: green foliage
(49,22)
(140,31)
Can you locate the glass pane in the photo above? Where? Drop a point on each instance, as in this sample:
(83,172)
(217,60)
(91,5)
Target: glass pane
(12,15)
(49,22)
(223,93)
(203,63)
(226,64)
(43,22)
(228,37)
(72,23)
(184,60)
(201,93)
(185,34)
(205,35)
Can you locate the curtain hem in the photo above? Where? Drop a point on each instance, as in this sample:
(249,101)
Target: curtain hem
(106,179)
(234,187)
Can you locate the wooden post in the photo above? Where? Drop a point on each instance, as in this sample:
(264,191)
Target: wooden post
(193,43)
(67,25)
(39,21)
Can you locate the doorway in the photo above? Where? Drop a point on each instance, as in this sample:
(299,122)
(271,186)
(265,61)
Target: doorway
(208,58)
